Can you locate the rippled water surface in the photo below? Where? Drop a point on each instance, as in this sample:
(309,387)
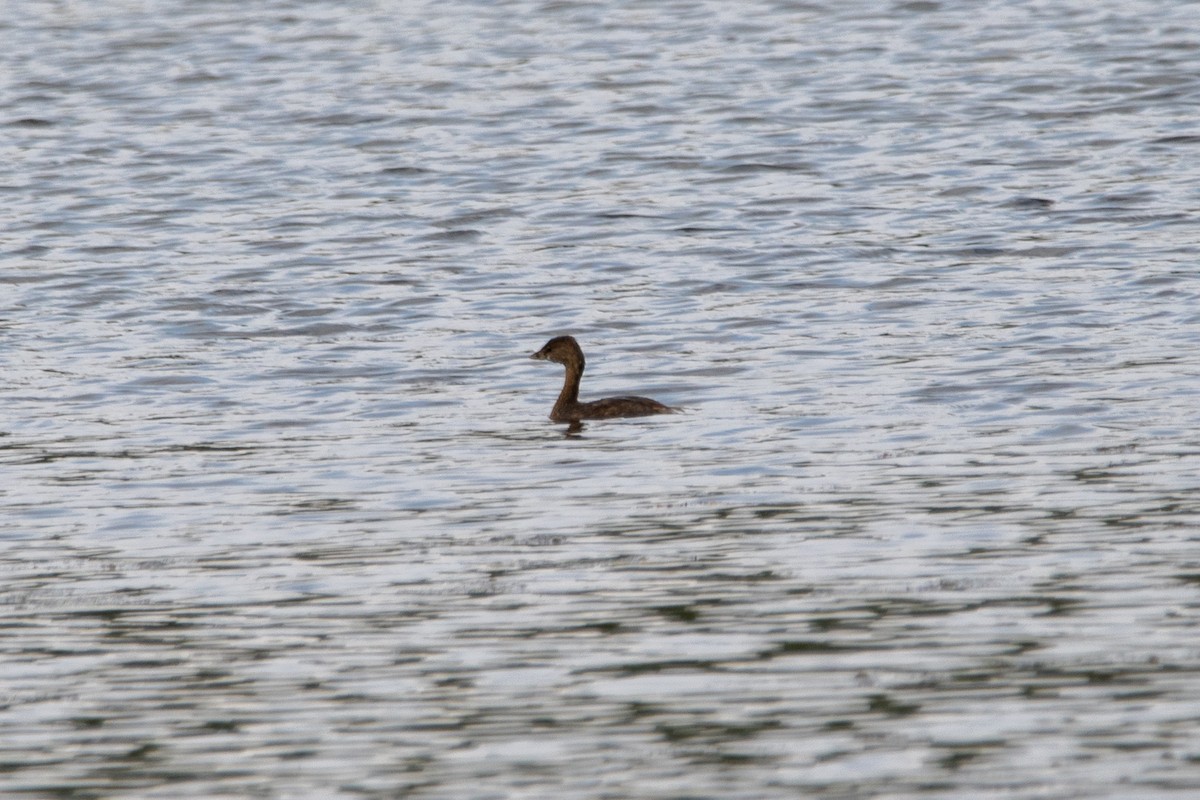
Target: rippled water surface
(281,511)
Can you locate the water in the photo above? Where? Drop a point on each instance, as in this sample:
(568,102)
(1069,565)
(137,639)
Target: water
(282,513)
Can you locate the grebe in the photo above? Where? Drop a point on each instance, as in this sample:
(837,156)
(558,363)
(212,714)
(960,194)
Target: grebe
(566,351)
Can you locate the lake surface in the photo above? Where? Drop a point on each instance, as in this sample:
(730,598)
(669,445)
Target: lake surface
(282,514)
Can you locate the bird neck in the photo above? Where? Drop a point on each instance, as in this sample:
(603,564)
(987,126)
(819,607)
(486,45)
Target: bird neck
(570,391)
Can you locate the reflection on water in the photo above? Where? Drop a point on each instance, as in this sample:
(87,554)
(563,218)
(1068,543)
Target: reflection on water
(282,513)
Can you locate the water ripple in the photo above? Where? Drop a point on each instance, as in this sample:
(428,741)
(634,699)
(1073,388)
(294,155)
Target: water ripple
(283,514)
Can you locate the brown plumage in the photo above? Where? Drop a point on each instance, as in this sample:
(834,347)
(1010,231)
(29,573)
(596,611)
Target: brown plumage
(566,351)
